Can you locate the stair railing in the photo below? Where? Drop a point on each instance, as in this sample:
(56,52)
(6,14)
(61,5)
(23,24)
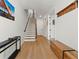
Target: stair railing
(26,24)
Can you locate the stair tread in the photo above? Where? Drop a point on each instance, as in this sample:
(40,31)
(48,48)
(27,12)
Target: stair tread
(30,36)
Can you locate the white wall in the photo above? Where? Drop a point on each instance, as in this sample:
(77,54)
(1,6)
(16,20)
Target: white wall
(59,5)
(40,26)
(66,25)
(45,27)
(9,28)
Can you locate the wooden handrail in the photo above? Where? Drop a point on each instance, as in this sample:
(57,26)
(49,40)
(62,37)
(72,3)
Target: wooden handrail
(26,24)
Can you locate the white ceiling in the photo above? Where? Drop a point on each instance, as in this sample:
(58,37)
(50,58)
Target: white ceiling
(42,7)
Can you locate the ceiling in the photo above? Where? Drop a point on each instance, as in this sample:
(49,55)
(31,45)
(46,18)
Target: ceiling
(42,7)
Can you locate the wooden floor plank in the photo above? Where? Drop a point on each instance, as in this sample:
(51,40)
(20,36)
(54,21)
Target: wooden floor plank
(36,50)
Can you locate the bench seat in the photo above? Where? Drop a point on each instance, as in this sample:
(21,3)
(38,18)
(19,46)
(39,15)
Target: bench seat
(62,51)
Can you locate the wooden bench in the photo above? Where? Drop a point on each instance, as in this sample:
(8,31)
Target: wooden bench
(63,51)
(70,55)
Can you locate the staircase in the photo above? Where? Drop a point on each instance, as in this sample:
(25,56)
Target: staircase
(31,28)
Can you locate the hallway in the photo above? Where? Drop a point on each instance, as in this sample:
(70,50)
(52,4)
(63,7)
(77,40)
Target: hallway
(36,50)
(38,29)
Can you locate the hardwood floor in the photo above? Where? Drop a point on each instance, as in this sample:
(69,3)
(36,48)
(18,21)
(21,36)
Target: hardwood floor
(36,50)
